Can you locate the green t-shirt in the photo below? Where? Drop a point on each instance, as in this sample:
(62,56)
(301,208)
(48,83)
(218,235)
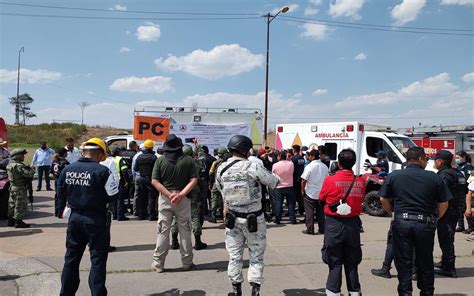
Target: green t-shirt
(174,176)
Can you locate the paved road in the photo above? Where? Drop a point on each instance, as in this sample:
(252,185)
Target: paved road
(31,261)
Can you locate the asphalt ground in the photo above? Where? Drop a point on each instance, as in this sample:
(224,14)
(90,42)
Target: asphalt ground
(31,260)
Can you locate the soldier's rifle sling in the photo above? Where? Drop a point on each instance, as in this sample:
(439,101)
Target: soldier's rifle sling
(228,167)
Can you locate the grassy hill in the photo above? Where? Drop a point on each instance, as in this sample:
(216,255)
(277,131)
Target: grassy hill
(30,136)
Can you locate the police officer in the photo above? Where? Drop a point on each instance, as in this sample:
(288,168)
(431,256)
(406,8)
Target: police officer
(147,194)
(128,155)
(382,162)
(20,177)
(86,187)
(456,183)
(417,194)
(239,181)
(124,180)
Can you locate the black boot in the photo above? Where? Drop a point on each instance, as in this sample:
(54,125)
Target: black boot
(21,224)
(460,228)
(213,218)
(383,272)
(255,289)
(174,241)
(237,290)
(199,245)
(11,222)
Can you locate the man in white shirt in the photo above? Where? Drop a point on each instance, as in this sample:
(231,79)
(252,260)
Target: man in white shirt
(73,153)
(311,184)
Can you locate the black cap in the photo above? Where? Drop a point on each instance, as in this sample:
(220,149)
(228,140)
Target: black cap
(314,153)
(444,155)
(172,143)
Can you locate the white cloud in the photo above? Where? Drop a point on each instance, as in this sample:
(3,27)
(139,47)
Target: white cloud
(457,2)
(298,95)
(360,57)
(349,8)
(319,92)
(124,49)
(315,31)
(119,7)
(468,77)
(315,2)
(310,11)
(407,11)
(222,60)
(293,7)
(148,32)
(29,76)
(432,87)
(155,84)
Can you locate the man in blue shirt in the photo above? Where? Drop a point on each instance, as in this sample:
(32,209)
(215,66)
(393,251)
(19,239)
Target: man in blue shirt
(42,160)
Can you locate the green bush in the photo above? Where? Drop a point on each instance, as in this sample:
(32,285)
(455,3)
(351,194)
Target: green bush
(54,134)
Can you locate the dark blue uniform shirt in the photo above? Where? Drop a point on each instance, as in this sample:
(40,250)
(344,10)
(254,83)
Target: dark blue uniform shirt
(86,186)
(415,190)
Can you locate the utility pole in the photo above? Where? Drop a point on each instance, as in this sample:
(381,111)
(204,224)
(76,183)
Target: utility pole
(17,107)
(269,18)
(83,105)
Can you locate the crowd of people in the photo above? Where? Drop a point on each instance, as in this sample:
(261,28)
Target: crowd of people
(180,186)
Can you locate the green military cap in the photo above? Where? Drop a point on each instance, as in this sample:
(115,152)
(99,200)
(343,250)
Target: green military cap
(18,152)
(188,150)
(221,151)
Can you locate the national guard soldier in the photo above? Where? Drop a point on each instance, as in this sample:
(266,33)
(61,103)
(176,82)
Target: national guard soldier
(196,210)
(456,183)
(416,195)
(239,181)
(216,197)
(86,187)
(20,176)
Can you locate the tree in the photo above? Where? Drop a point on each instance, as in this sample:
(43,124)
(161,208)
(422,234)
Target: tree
(83,105)
(23,106)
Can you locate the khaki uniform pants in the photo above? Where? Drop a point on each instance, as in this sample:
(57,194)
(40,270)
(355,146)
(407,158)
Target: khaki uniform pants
(182,211)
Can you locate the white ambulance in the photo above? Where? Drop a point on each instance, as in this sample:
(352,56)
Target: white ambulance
(364,138)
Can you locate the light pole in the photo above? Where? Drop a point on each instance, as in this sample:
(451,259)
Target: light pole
(17,107)
(269,18)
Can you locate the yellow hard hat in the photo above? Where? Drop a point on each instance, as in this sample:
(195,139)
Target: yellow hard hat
(149,144)
(96,142)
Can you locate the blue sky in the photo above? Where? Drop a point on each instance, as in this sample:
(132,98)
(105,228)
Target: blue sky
(317,72)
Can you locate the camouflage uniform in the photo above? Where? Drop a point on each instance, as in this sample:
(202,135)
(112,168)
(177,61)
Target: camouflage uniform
(240,187)
(20,176)
(216,197)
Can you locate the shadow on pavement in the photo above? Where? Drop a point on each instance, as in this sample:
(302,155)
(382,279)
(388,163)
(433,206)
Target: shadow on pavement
(9,277)
(451,294)
(50,225)
(176,292)
(132,248)
(304,292)
(38,214)
(215,226)
(464,272)
(273,225)
(20,232)
(220,245)
(39,198)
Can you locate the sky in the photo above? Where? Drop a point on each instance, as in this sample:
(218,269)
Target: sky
(122,55)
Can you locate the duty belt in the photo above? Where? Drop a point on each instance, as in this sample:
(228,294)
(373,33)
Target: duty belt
(415,217)
(244,215)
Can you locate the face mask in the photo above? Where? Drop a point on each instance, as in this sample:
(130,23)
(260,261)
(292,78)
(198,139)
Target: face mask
(458,161)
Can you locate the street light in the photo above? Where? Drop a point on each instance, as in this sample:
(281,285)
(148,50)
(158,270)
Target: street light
(17,107)
(270,18)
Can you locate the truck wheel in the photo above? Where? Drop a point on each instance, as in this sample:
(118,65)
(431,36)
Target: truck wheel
(372,205)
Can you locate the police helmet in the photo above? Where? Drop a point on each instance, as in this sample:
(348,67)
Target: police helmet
(381,153)
(240,143)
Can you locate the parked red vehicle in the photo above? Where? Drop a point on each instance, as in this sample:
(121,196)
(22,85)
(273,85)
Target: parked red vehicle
(374,180)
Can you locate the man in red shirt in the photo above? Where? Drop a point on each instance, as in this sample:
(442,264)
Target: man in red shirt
(343,194)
